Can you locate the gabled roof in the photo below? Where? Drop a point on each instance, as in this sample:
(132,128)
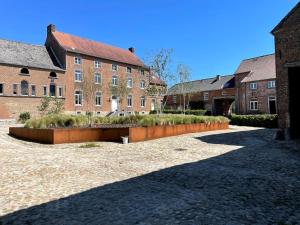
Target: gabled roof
(84,46)
(282,22)
(210,84)
(259,68)
(25,55)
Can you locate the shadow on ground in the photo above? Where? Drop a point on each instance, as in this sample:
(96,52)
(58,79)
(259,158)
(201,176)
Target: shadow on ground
(259,183)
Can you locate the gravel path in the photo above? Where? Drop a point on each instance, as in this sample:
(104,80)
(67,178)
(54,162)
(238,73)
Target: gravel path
(239,176)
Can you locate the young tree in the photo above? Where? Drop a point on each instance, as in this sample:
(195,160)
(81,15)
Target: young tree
(183,73)
(120,90)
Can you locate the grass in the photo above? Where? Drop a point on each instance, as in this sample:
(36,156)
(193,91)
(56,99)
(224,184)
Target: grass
(89,145)
(61,120)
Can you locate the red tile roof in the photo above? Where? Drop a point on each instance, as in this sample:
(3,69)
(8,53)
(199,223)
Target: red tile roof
(259,68)
(84,46)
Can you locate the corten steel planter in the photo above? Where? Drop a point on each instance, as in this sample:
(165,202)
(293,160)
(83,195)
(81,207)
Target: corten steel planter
(134,134)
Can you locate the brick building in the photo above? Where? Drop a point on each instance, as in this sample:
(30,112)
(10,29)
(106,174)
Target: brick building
(62,67)
(255,82)
(287,47)
(216,95)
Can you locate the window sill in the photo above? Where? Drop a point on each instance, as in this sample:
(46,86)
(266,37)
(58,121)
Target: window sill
(24,74)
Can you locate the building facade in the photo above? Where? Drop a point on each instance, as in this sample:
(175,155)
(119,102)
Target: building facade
(287,48)
(255,81)
(215,95)
(85,74)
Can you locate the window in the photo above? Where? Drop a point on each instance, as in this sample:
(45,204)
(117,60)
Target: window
(77,60)
(1,89)
(78,76)
(52,90)
(60,92)
(143,101)
(33,90)
(15,89)
(253,86)
(78,97)
(114,81)
(142,72)
(98,113)
(205,96)
(129,100)
(97,64)
(129,83)
(24,71)
(254,105)
(53,75)
(271,84)
(24,87)
(142,84)
(98,98)
(174,99)
(45,90)
(114,67)
(97,78)
(128,69)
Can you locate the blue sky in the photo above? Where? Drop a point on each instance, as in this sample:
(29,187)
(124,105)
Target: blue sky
(210,36)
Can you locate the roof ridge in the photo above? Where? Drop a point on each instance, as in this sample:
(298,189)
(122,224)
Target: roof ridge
(24,43)
(262,56)
(204,79)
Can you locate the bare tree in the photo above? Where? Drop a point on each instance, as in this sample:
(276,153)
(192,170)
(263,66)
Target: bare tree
(183,73)
(120,90)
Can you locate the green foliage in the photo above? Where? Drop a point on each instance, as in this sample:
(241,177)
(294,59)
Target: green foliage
(262,120)
(50,105)
(198,112)
(45,104)
(23,117)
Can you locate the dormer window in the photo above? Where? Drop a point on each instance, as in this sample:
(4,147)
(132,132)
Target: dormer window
(53,75)
(24,71)
(77,60)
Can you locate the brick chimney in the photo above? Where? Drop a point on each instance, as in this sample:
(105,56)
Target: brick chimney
(131,49)
(218,77)
(50,28)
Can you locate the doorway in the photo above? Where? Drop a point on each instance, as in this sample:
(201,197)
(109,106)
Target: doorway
(294,109)
(272,105)
(114,103)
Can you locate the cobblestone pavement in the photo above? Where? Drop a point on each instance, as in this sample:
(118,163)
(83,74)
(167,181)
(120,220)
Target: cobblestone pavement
(234,177)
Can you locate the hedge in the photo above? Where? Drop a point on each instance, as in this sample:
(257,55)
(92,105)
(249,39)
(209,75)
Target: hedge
(198,112)
(263,120)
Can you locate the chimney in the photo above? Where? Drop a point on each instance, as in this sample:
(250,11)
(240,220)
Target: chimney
(50,28)
(218,77)
(131,49)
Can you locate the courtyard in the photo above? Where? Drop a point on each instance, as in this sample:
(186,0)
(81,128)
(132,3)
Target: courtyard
(236,176)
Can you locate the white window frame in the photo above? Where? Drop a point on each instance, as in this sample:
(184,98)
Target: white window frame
(128,69)
(33,85)
(114,80)
(252,103)
(2,93)
(114,65)
(271,84)
(59,89)
(129,101)
(97,64)
(129,82)
(143,100)
(142,84)
(253,86)
(13,85)
(45,90)
(142,72)
(98,95)
(77,60)
(79,96)
(99,79)
(205,96)
(76,74)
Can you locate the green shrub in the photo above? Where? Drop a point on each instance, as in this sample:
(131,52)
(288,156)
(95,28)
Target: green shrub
(262,120)
(23,117)
(198,112)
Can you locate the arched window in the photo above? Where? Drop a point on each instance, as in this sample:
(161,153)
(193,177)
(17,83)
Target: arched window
(53,75)
(24,87)
(52,90)
(24,71)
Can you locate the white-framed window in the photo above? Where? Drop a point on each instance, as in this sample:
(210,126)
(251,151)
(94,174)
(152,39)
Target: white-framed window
(60,92)
(97,78)
(98,113)
(143,101)
(253,86)
(98,98)
(271,84)
(1,89)
(129,82)
(254,105)
(97,64)
(24,88)
(78,76)
(44,90)
(33,90)
(78,97)
(129,100)
(15,89)
(128,69)
(142,72)
(174,99)
(142,84)
(114,80)
(77,60)
(114,67)
(205,96)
